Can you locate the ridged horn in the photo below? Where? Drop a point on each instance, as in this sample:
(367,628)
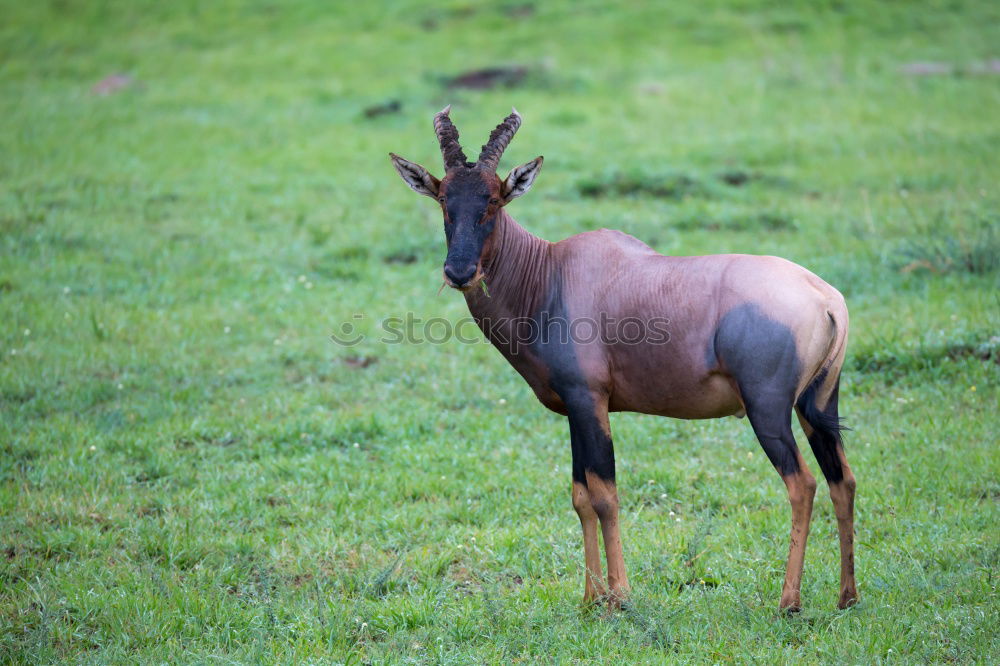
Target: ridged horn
(499,139)
(447,135)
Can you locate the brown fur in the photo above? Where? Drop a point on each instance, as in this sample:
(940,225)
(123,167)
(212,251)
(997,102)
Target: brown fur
(612,274)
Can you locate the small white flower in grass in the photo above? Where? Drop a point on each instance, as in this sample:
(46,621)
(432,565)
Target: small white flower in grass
(121,386)
(678,519)
(277,341)
(503,401)
(671,513)
(65,290)
(663,496)
(13,352)
(226,329)
(93,448)
(357,445)
(749,454)
(309,285)
(743,469)
(27,332)
(651,482)
(302,278)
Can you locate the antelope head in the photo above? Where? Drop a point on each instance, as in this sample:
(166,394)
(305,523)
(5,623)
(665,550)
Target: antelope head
(470,194)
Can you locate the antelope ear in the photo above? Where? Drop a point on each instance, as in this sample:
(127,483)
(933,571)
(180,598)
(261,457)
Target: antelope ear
(520,179)
(417,177)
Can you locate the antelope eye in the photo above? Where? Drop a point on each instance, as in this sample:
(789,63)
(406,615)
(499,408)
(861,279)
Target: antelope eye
(494,202)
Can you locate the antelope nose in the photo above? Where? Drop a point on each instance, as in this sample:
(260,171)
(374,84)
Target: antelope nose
(460,276)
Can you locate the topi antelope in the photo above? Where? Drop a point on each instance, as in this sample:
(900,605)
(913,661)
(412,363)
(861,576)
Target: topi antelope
(745,335)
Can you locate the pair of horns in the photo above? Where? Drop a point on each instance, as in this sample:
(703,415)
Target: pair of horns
(489,157)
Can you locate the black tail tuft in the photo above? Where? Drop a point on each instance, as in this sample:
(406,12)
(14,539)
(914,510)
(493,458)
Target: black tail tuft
(826,427)
(826,421)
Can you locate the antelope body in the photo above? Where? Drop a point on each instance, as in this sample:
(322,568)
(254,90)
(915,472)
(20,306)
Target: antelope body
(734,335)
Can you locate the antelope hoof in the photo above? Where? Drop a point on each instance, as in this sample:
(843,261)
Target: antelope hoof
(593,592)
(617,599)
(848,598)
(790,603)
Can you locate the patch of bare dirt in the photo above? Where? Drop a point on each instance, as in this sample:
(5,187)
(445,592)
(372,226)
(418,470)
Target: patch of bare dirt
(113,83)
(488,78)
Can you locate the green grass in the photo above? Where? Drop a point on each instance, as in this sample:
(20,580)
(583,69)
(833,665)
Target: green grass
(192,471)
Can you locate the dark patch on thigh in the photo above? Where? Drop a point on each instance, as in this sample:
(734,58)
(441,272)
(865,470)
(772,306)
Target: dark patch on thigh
(761,355)
(759,352)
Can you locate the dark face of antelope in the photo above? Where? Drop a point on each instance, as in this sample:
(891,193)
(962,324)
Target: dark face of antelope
(471,194)
(470,200)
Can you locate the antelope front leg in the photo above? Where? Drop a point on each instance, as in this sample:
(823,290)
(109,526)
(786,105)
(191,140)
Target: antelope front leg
(594,478)
(604,499)
(594,577)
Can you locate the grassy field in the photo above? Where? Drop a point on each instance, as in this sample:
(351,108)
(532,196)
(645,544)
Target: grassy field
(192,471)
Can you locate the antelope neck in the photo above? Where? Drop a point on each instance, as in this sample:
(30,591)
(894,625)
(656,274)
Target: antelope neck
(517,269)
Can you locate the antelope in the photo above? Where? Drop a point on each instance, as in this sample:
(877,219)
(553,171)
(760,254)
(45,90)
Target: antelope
(753,336)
